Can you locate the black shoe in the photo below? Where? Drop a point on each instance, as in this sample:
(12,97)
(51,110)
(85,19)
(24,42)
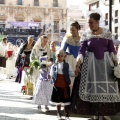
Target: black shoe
(31,98)
(47,109)
(102,118)
(97,118)
(67,116)
(39,108)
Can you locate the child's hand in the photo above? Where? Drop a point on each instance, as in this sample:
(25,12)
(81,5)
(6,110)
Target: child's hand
(48,76)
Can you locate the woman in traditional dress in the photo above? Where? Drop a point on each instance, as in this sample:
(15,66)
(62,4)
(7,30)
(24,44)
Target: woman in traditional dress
(95,92)
(22,62)
(3,45)
(71,45)
(10,62)
(41,48)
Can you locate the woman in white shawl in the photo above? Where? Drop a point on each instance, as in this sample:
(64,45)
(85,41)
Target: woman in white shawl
(41,48)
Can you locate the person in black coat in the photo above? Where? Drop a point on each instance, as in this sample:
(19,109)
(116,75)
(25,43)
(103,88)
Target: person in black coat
(23,58)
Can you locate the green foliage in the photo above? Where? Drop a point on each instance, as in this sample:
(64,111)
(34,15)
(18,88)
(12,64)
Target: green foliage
(34,63)
(31,71)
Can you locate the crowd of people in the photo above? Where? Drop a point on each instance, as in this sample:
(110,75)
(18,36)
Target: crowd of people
(78,75)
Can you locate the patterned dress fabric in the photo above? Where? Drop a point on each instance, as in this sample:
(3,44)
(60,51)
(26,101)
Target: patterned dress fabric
(43,89)
(95,92)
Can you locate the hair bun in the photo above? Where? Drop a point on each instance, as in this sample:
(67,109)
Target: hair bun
(76,24)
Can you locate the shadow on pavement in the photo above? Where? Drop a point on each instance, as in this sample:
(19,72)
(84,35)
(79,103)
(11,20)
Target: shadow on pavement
(17,110)
(2,117)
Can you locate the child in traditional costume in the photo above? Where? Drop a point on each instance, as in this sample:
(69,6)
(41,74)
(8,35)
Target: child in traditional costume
(60,75)
(44,87)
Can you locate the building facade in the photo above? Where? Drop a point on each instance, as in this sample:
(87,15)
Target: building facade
(99,6)
(48,15)
(75,14)
(102,7)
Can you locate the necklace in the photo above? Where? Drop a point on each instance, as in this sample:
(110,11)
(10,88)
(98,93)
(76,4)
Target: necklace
(95,31)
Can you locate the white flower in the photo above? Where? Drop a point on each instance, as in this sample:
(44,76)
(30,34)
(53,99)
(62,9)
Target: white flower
(117,71)
(41,71)
(44,62)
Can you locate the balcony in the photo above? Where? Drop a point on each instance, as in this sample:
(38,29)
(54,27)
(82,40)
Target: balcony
(116,36)
(56,30)
(116,21)
(19,2)
(36,3)
(55,4)
(106,22)
(2,1)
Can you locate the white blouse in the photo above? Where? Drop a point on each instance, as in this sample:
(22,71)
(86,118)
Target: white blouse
(60,67)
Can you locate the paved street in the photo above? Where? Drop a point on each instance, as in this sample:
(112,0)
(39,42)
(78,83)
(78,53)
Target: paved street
(16,106)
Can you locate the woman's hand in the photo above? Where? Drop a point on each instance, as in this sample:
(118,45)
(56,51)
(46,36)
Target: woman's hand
(77,71)
(115,62)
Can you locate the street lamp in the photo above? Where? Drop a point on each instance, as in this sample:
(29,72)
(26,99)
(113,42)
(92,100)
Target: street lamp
(110,15)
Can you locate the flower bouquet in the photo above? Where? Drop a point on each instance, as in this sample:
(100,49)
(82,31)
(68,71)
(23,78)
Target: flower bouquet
(33,64)
(116,73)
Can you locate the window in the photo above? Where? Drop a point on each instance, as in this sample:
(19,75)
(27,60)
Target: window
(56,26)
(116,20)
(106,16)
(81,26)
(2,1)
(36,2)
(93,5)
(116,36)
(116,30)
(116,13)
(106,22)
(55,3)
(20,2)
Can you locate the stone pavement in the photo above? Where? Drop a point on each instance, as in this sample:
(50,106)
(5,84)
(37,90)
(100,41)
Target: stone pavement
(16,106)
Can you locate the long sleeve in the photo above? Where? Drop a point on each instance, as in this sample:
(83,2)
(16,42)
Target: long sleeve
(51,71)
(82,50)
(71,72)
(19,54)
(111,47)
(63,45)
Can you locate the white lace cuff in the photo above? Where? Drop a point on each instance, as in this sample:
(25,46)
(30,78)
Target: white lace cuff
(114,57)
(80,58)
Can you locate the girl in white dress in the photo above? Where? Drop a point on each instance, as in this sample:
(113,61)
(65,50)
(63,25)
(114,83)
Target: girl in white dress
(40,49)
(10,63)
